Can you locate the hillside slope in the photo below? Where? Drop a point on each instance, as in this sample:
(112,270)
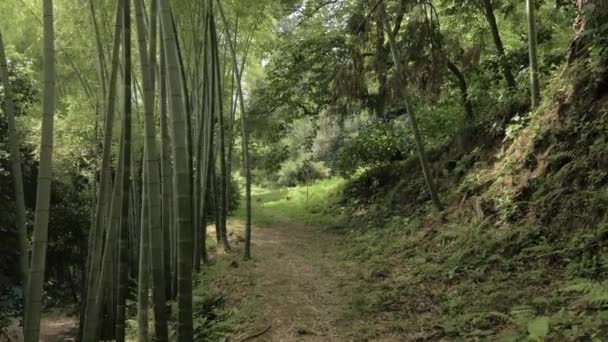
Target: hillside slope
(520,251)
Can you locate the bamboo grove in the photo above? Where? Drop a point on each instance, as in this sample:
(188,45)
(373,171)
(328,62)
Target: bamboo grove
(151,209)
(172,120)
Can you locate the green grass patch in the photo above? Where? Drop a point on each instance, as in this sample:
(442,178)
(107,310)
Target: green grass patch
(302,205)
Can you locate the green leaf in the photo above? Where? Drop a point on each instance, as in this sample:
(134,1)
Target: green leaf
(539,328)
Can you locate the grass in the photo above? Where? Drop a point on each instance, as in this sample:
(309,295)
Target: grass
(219,307)
(470,282)
(221,296)
(303,205)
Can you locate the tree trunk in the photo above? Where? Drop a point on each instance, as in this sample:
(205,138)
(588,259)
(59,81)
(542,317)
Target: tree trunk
(245,139)
(428,177)
(188,112)
(466,104)
(43,192)
(103,93)
(147,62)
(13,140)
(167,181)
(136,183)
(101,64)
(123,259)
(533,55)
(203,155)
(144,267)
(96,233)
(504,63)
(182,192)
(380,69)
(223,177)
(215,197)
(104,297)
(205,164)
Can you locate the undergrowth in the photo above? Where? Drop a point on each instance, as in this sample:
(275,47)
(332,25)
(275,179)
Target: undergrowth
(215,312)
(301,204)
(520,253)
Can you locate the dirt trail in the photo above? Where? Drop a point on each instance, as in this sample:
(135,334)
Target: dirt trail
(298,287)
(295,289)
(52,329)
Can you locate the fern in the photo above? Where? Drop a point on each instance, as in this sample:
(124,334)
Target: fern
(582,286)
(522,315)
(590,293)
(500,317)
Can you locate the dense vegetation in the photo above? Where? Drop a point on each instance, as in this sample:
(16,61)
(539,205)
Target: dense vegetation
(454,153)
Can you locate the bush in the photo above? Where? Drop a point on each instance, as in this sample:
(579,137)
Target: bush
(377,144)
(295,172)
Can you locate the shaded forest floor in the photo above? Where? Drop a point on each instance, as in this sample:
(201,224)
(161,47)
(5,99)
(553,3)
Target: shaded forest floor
(298,286)
(54,327)
(294,288)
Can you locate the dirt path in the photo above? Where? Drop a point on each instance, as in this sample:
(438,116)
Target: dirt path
(60,329)
(52,329)
(297,287)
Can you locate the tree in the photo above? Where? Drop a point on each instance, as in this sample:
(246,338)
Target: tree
(168,221)
(143,281)
(217,90)
(182,191)
(428,177)
(43,192)
(245,136)
(532,49)
(95,215)
(91,321)
(16,167)
(123,256)
(147,63)
(488,10)
(467,104)
(205,142)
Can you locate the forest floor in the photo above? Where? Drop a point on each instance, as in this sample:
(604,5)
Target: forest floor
(54,327)
(293,289)
(298,286)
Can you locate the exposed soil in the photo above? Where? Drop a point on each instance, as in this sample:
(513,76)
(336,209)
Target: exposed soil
(52,329)
(297,290)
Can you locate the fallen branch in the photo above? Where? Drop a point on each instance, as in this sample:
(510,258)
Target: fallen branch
(251,337)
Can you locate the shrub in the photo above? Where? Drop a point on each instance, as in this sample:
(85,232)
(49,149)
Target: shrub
(295,172)
(376,144)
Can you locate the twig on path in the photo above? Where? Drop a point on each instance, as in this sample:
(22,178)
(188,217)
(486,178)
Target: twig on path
(251,337)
